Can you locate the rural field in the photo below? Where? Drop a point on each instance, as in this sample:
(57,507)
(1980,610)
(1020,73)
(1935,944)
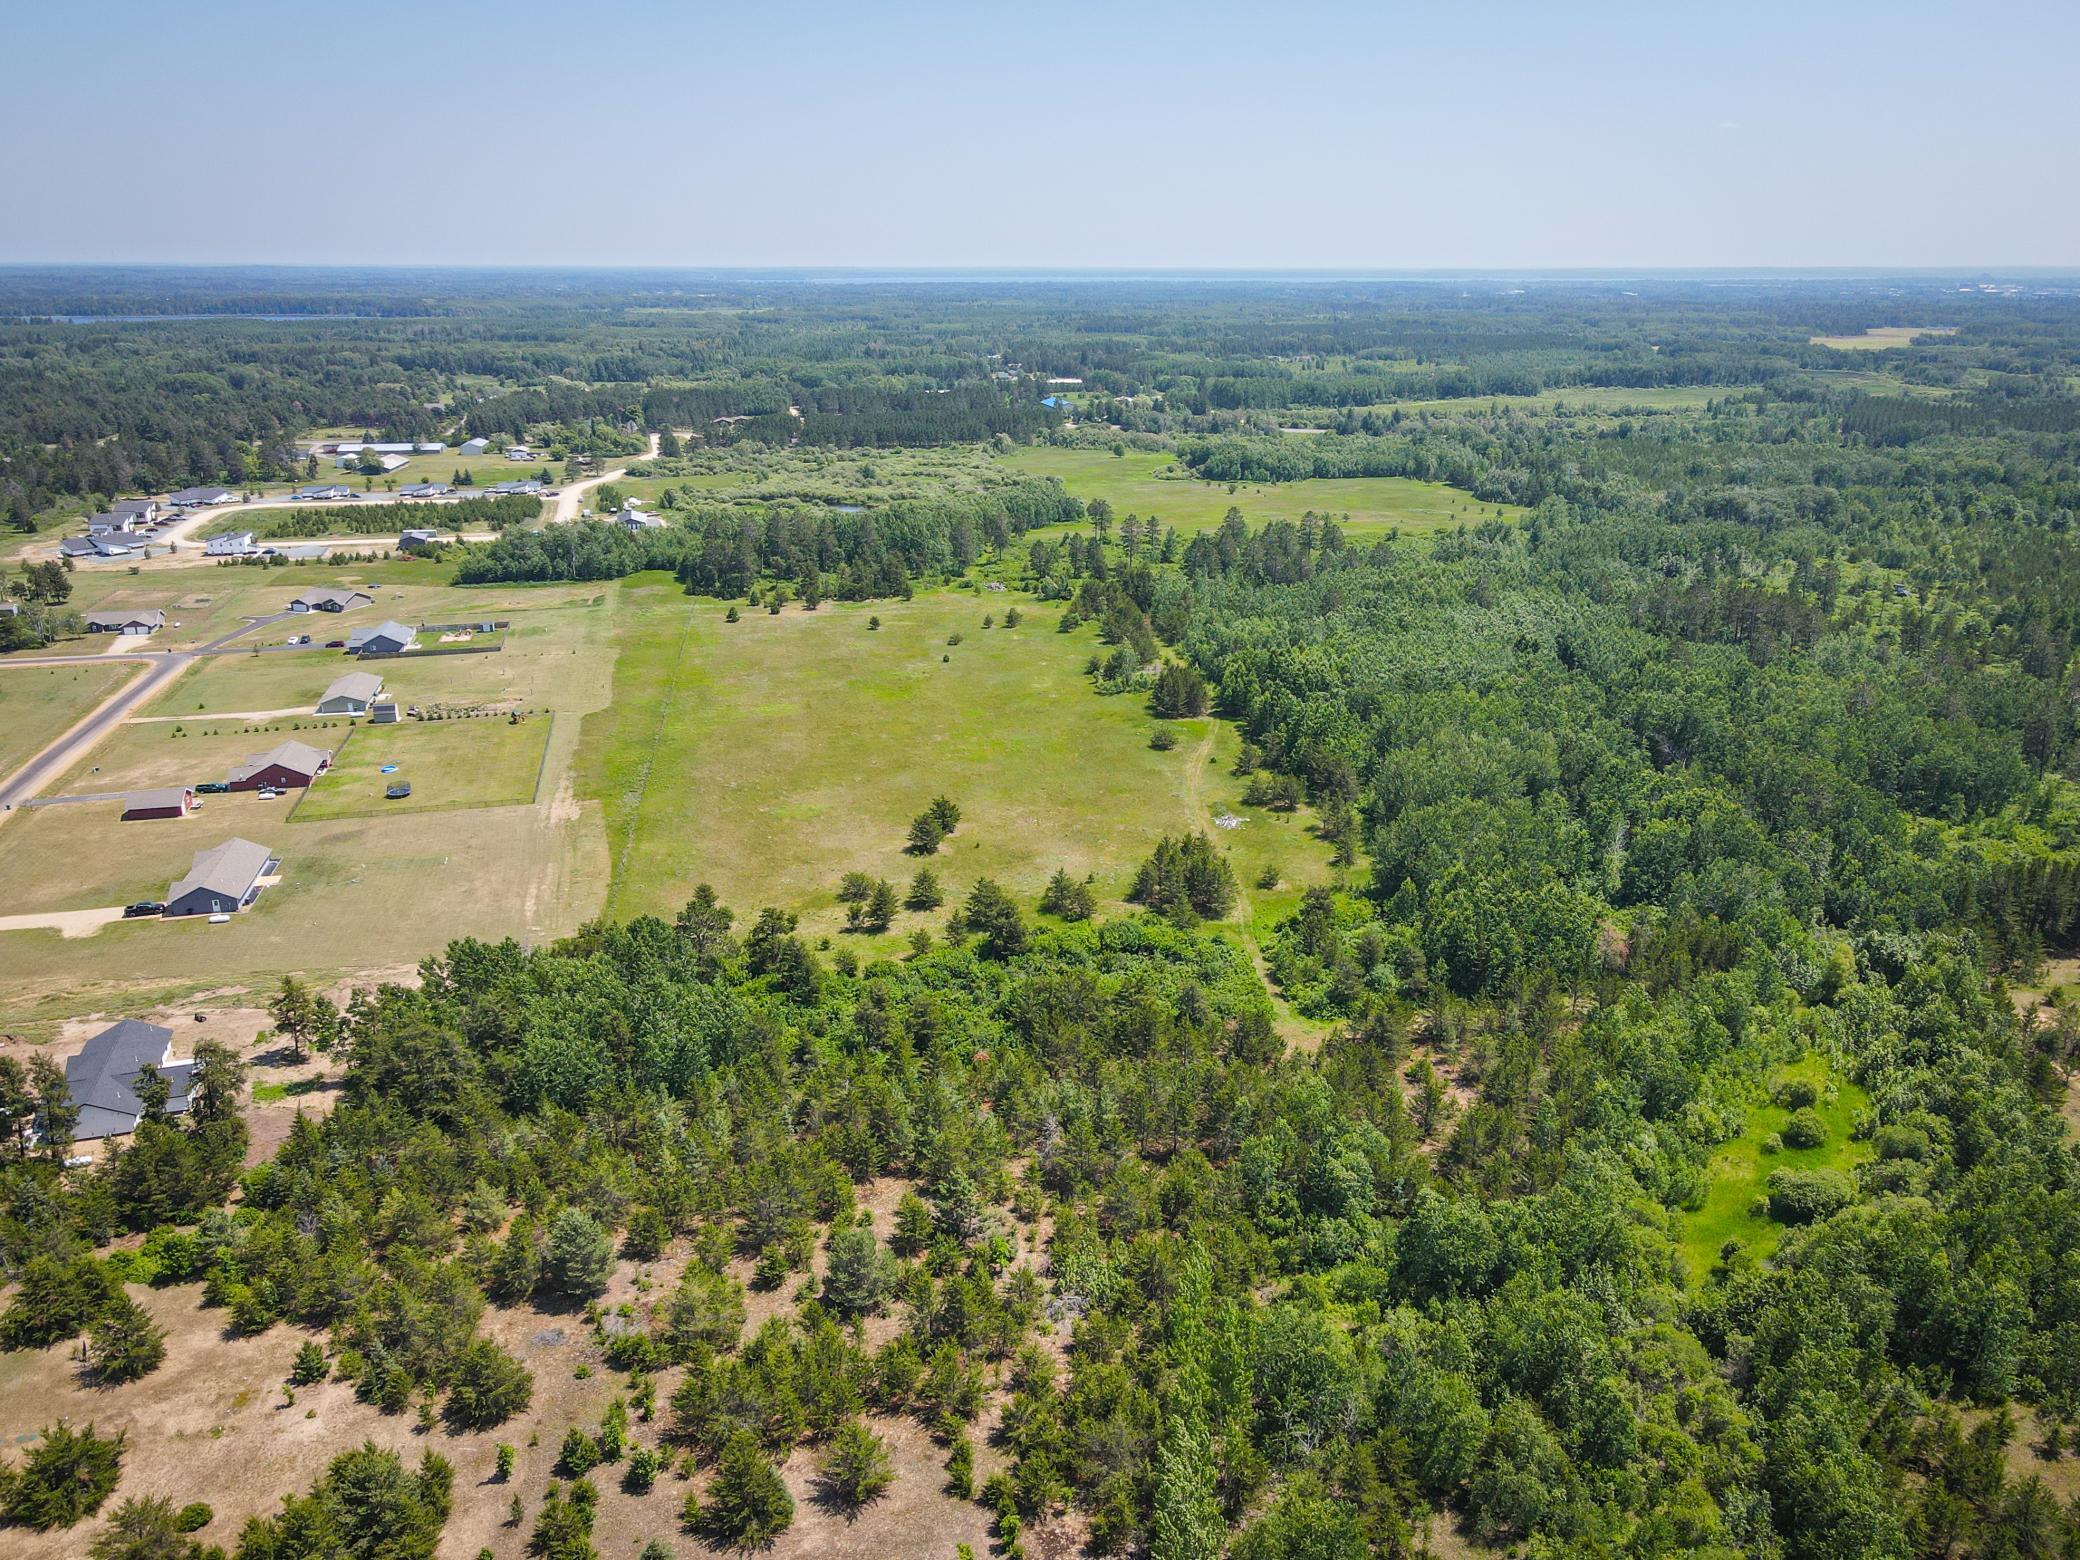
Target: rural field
(487,761)
(38,703)
(1154,485)
(771,756)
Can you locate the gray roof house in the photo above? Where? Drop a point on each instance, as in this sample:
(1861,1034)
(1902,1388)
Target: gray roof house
(223,878)
(77,547)
(383,639)
(351,694)
(324,490)
(195,497)
(519,485)
(418,539)
(103,1077)
(425,490)
(122,622)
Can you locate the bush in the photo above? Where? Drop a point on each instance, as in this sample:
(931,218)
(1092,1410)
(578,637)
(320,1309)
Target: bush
(488,1388)
(1795,1094)
(579,1454)
(578,1256)
(1801,1196)
(195,1516)
(67,1476)
(855,1468)
(1805,1129)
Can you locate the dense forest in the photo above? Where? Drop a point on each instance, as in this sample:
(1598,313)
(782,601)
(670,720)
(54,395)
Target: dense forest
(1736,772)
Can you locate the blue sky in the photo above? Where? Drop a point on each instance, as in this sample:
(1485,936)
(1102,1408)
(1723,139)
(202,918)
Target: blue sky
(1068,134)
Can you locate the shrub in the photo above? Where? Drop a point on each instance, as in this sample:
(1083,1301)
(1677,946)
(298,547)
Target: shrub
(488,1388)
(1801,1196)
(1805,1129)
(579,1454)
(1795,1093)
(855,1468)
(195,1516)
(67,1476)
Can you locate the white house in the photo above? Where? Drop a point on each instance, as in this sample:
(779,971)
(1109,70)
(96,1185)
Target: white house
(519,452)
(232,544)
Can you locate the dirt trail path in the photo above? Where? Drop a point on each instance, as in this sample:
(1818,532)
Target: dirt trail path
(572,497)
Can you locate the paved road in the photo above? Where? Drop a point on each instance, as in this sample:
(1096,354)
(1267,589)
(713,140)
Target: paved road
(161,667)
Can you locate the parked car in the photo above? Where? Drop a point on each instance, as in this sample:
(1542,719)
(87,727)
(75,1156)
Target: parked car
(299,639)
(268,793)
(335,644)
(398,792)
(144,907)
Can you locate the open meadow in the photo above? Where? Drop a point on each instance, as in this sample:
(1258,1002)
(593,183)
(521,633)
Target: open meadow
(1155,485)
(771,756)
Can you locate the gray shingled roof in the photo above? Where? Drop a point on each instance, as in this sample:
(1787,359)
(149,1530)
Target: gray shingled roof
(103,1077)
(156,796)
(299,756)
(355,685)
(225,871)
(388,629)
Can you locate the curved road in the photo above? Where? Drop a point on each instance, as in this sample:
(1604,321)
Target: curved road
(161,667)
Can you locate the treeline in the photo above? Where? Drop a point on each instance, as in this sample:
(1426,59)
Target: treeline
(727,551)
(508,511)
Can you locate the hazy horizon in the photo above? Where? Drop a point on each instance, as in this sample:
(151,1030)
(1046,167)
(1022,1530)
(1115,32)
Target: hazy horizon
(1334,137)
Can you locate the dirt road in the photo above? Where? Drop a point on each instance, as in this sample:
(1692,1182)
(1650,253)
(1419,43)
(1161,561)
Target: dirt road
(573,495)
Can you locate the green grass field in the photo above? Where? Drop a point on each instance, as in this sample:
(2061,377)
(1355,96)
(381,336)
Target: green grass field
(1877,338)
(769,757)
(1740,1168)
(39,703)
(486,762)
(1597,398)
(1153,484)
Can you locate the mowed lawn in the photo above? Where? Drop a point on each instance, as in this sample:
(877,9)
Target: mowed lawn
(486,761)
(1130,483)
(1739,1172)
(770,756)
(39,703)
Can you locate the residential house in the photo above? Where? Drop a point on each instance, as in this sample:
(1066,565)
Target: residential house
(519,452)
(114,522)
(232,544)
(524,485)
(418,540)
(383,639)
(425,490)
(351,694)
(104,1076)
(122,621)
(77,547)
(328,600)
(200,497)
(222,879)
(324,490)
(166,801)
(636,520)
(144,510)
(290,763)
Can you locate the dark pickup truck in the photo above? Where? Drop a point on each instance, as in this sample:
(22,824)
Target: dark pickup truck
(212,788)
(143,907)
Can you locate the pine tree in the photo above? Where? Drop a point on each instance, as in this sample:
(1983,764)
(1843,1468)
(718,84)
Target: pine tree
(855,1468)
(126,1343)
(747,1505)
(925,892)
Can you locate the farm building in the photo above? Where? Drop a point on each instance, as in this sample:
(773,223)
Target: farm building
(222,879)
(284,764)
(351,694)
(199,497)
(116,621)
(473,446)
(418,539)
(166,801)
(328,600)
(232,544)
(385,638)
(104,1076)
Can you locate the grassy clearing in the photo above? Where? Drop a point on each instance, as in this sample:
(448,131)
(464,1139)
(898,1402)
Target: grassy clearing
(1596,398)
(1153,484)
(1877,338)
(771,756)
(486,762)
(39,703)
(1740,1168)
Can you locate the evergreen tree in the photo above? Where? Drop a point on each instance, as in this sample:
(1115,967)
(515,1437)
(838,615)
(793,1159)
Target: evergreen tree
(747,1505)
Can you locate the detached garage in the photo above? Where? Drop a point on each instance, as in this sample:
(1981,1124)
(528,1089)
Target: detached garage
(166,801)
